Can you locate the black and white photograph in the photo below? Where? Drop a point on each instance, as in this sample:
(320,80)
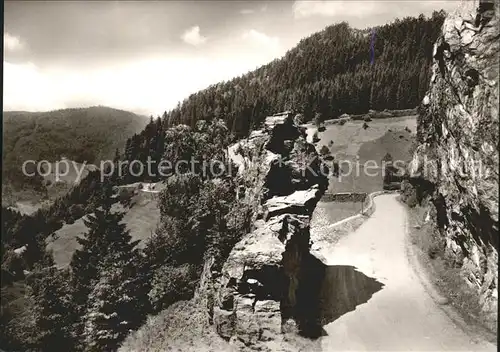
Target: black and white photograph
(273,176)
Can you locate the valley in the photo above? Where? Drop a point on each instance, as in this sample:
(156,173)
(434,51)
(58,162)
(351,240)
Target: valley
(76,135)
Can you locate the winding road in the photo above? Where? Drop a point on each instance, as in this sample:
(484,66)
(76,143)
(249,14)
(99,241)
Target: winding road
(400,314)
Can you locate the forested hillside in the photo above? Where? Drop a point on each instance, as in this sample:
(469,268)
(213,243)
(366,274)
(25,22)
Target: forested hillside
(331,72)
(110,285)
(84,134)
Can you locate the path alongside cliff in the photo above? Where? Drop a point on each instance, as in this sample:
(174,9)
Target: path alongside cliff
(399,316)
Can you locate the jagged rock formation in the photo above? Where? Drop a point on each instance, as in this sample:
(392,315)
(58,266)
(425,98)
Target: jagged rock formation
(256,296)
(456,162)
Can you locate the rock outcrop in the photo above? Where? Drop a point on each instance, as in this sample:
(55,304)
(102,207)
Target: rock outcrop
(254,299)
(456,162)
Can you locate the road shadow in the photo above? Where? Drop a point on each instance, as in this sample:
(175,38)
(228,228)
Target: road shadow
(327,292)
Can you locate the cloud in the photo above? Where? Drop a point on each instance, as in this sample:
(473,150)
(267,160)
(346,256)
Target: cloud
(192,36)
(26,88)
(12,43)
(303,9)
(261,39)
(247,11)
(365,8)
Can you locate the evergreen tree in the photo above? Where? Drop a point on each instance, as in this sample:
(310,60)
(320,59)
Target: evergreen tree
(53,309)
(117,303)
(105,231)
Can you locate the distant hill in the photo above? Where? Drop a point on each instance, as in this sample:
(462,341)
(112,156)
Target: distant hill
(81,134)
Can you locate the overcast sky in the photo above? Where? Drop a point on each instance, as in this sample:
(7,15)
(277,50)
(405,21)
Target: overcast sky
(146,56)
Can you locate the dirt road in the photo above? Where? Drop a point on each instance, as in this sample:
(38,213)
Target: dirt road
(396,313)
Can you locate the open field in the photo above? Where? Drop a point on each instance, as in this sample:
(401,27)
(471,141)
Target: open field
(349,138)
(353,146)
(141,219)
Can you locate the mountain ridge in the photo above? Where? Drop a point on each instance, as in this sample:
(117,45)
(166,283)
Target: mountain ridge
(330,72)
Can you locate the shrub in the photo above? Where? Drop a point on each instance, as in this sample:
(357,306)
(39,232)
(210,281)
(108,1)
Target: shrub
(393,186)
(413,146)
(409,194)
(76,211)
(342,122)
(125,196)
(318,119)
(412,200)
(387,158)
(324,151)
(171,284)
(365,126)
(367,118)
(315,137)
(435,248)
(13,263)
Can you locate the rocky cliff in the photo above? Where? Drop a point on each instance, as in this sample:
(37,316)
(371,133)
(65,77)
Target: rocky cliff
(260,292)
(456,162)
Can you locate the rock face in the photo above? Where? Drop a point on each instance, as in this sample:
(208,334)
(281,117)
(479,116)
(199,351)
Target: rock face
(253,300)
(456,162)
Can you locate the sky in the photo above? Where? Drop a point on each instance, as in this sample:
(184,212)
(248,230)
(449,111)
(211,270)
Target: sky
(146,56)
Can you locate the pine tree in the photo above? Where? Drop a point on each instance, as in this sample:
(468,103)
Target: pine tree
(117,303)
(103,227)
(105,231)
(53,309)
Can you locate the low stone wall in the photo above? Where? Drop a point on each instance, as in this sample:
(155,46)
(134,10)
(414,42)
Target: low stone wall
(368,207)
(327,234)
(336,121)
(344,197)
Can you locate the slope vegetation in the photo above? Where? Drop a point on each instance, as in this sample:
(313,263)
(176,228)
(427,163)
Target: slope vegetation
(82,135)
